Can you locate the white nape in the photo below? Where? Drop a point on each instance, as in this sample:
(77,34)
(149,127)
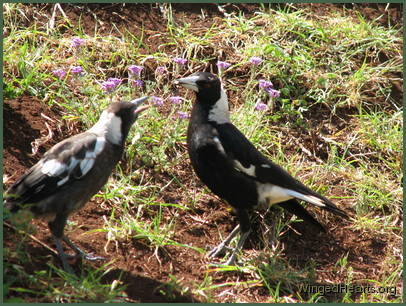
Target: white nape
(109,126)
(220,113)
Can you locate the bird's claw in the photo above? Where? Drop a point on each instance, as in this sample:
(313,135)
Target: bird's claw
(92,257)
(218,251)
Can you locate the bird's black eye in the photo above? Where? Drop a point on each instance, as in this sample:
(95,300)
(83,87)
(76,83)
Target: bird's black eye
(204,83)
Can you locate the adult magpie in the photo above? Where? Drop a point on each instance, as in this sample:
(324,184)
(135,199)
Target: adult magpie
(229,164)
(72,171)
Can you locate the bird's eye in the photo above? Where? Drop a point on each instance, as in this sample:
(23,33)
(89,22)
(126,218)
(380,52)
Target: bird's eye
(205,84)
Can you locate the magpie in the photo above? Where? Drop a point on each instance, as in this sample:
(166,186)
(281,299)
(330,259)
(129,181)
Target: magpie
(72,171)
(233,169)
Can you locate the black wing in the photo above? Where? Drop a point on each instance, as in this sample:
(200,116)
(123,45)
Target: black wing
(248,159)
(217,171)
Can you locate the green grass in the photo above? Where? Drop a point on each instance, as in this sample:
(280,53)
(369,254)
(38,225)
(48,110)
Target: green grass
(321,64)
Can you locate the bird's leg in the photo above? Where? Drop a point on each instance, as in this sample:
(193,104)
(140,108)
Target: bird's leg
(62,255)
(218,250)
(243,237)
(79,252)
(56,227)
(244,228)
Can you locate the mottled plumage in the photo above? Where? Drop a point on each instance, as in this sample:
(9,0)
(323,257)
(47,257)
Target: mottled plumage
(72,171)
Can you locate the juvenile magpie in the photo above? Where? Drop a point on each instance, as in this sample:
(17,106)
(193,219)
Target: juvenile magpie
(72,171)
(229,164)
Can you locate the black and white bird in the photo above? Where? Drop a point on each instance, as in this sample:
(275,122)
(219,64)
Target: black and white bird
(229,164)
(72,171)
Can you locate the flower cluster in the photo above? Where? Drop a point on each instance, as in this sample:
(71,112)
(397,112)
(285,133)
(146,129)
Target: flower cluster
(255,60)
(135,70)
(176,100)
(110,84)
(161,70)
(76,70)
(260,106)
(268,87)
(223,65)
(180,61)
(77,42)
(182,115)
(138,83)
(59,73)
(157,101)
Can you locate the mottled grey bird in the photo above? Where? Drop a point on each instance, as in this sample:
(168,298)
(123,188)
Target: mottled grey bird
(72,171)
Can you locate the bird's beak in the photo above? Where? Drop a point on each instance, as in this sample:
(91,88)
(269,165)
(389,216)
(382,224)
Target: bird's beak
(138,102)
(188,82)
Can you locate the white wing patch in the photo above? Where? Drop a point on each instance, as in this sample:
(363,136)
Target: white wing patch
(86,165)
(53,167)
(63,181)
(219,145)
(100,143)
(249,171)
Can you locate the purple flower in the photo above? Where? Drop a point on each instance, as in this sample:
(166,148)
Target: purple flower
(76,69)
(138,83)
(182,115)
(175,100)
(223,65)
(268,87)
(265,84)
(260,106)
(157,101)
(135,70)
(115,81)
(77,42)
(255,60)
(108,86)
(180,60)
(273,93)
(60,73)
(161,70)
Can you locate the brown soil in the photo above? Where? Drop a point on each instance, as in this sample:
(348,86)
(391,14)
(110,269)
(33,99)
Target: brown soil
(143,271)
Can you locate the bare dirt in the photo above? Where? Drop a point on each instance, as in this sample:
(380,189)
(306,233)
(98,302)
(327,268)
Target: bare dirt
(136,264)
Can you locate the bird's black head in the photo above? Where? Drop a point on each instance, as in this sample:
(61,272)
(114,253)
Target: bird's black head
(118,118)
(206,85)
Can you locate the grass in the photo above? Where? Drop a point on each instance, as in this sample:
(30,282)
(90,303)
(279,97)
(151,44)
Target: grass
(328,68)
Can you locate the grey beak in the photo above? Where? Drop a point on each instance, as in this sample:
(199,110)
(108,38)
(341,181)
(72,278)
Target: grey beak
(188,82)
(138,102)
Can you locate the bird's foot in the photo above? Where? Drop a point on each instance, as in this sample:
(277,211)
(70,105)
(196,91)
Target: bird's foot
(90,257)
(80,253)
(66,266)
(230,262)
(218,251)
(83,255)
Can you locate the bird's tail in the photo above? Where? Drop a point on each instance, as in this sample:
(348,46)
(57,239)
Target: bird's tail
(10,203)
(319,201)
(296,209)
